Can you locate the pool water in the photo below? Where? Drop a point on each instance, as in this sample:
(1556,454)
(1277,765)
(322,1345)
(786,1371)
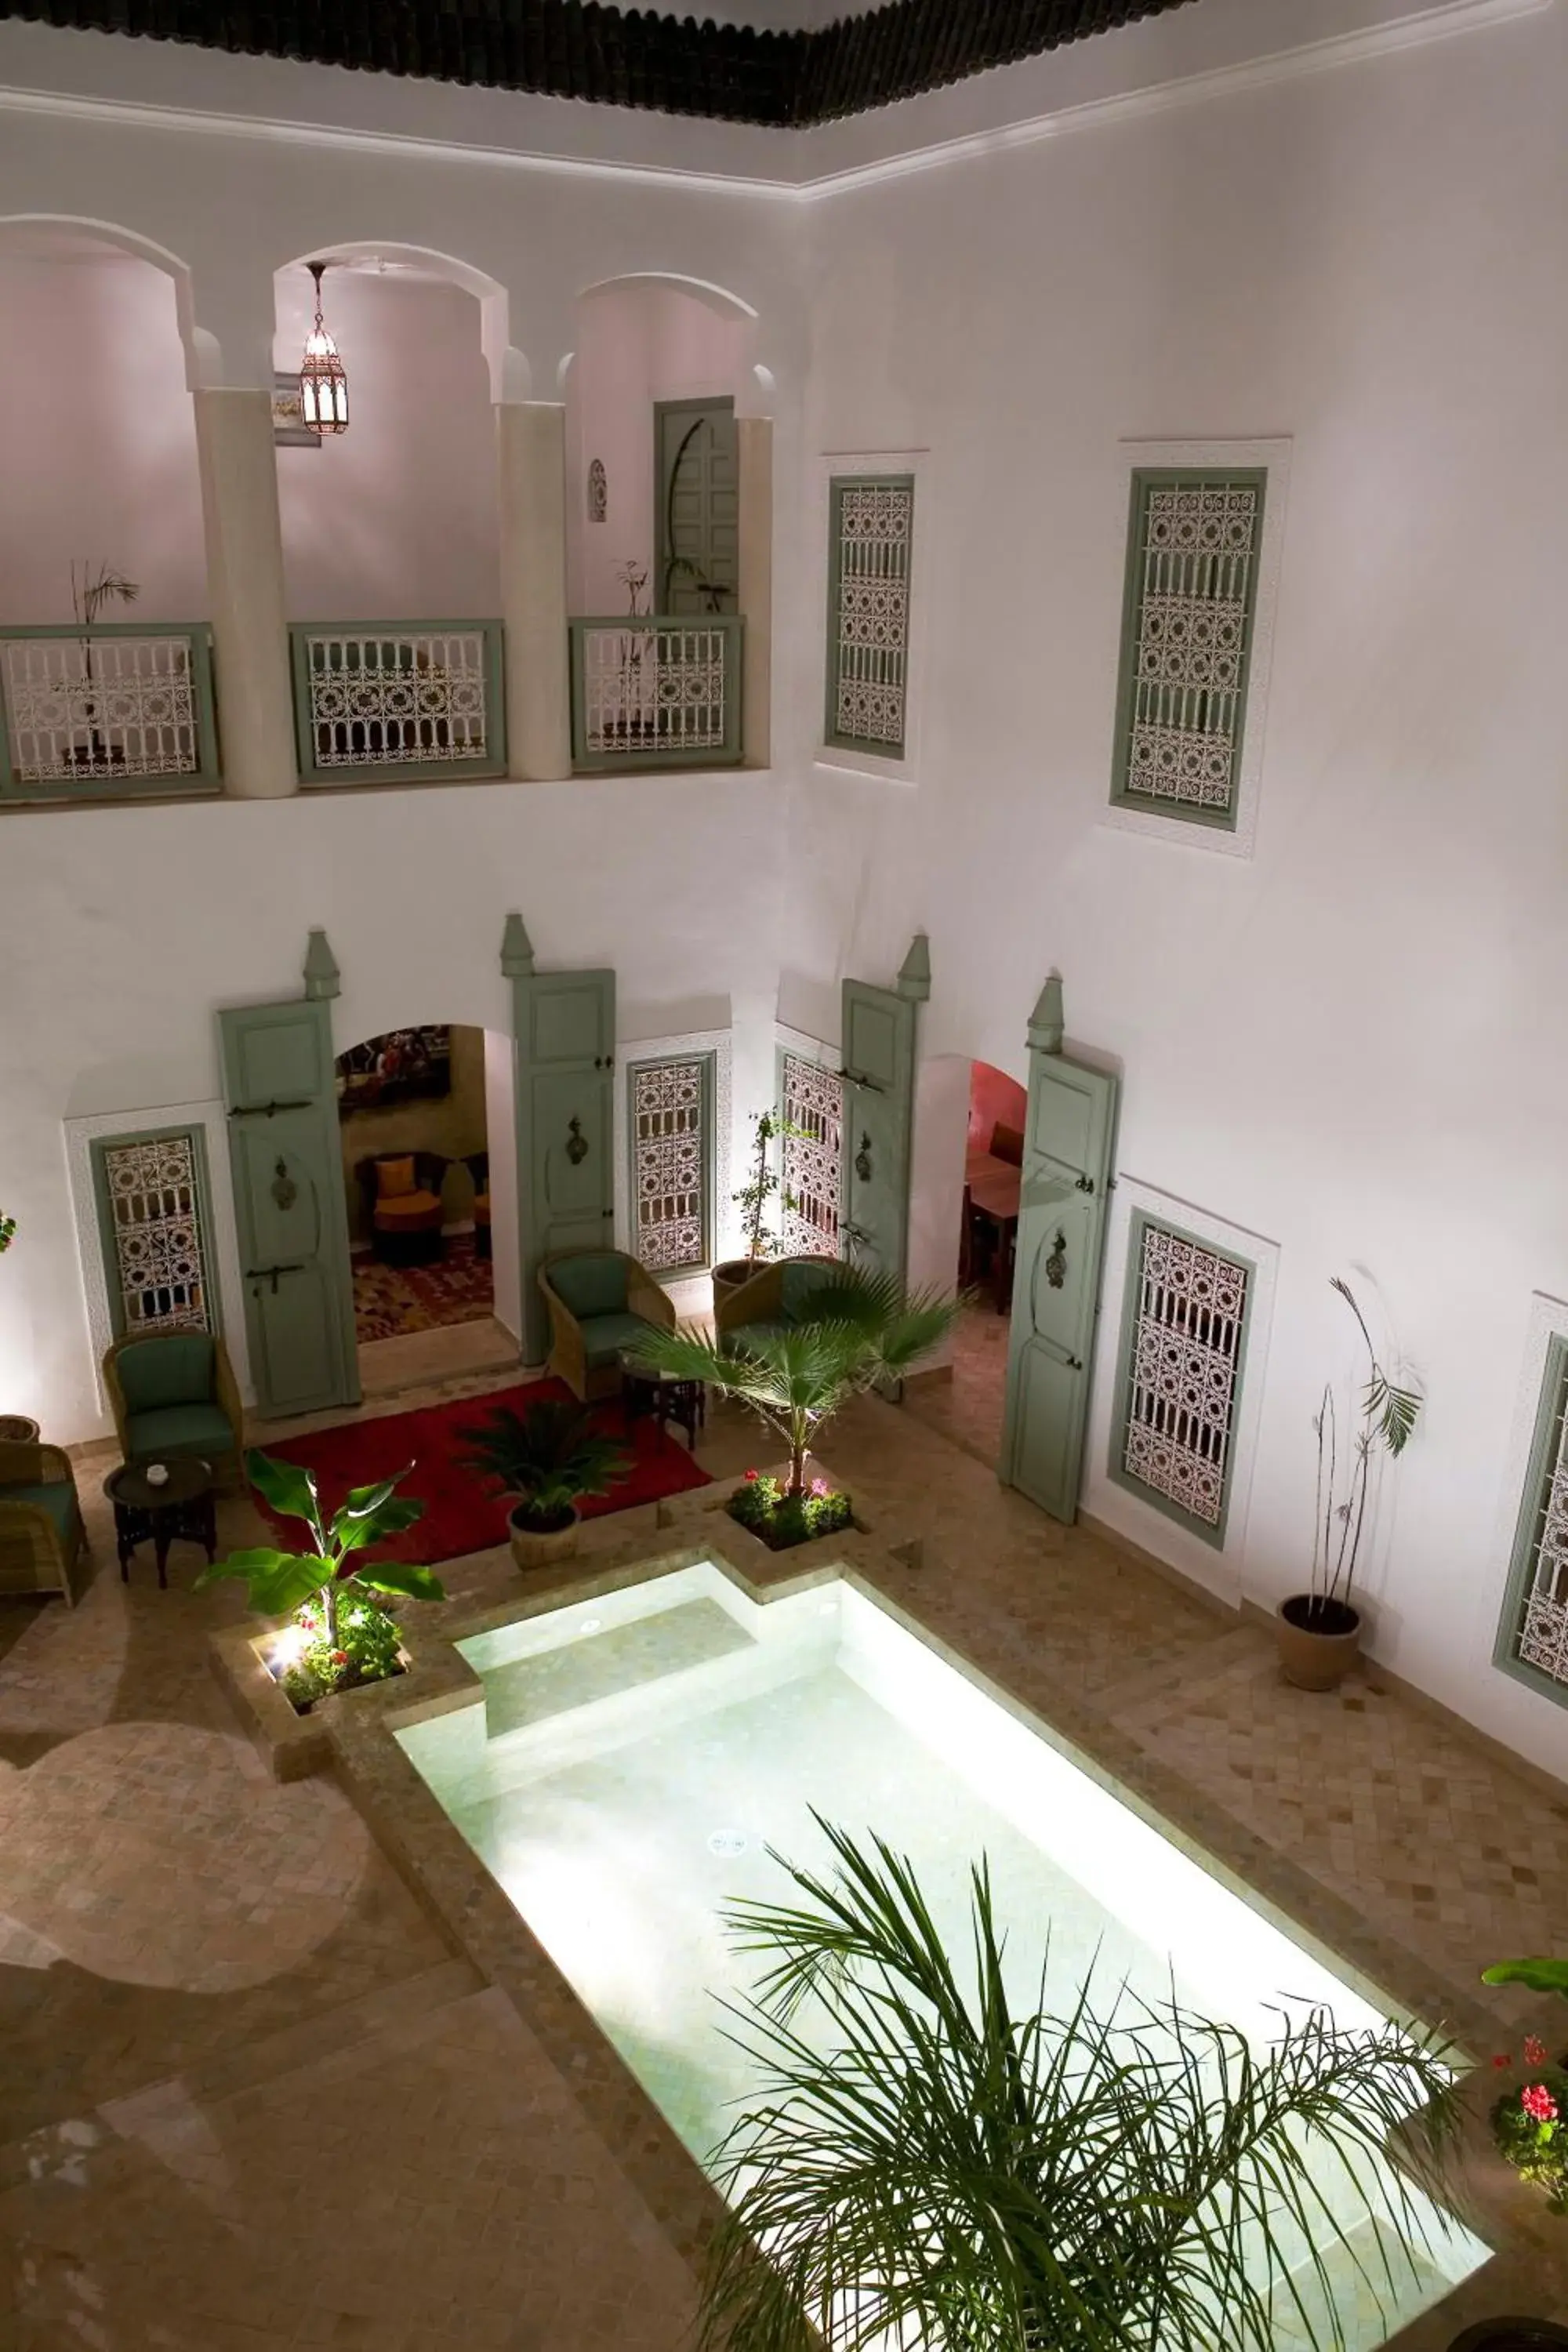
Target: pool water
(635,1754)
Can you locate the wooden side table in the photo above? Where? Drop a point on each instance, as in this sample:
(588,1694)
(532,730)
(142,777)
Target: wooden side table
(181,1510)
(665,1396)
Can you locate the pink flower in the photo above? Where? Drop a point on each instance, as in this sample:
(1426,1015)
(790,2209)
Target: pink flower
(1504,2058)
(1534,2050)
(1538,2103)
(751,1474)
(339,1657)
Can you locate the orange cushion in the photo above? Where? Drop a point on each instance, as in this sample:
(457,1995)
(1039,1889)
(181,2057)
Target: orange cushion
(409,1211)
(481,1208)
(393,1178)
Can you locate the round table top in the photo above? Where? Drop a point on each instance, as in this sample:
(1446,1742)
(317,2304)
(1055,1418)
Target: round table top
(187,1478)
(628,1360)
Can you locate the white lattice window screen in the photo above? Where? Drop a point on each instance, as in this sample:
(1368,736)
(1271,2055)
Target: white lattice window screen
(380,700)
(1193,581)
(664,689)
(873,535)
(79,707)
(1189,1321)
(1541,1636)
(670,1150)
(814,1130)
(154,1215)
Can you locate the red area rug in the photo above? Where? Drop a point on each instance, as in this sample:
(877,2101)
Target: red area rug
(461,1514)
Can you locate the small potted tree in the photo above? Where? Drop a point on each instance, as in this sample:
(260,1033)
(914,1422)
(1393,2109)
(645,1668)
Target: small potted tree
(549,1457)
(751,1199)
(1320,1629)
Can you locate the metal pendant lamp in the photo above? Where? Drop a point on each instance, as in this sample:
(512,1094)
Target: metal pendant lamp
(323,379)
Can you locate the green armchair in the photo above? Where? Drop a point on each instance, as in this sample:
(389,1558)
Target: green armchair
(600,1301)
(174,1393)
(41,1533)
(770,1301)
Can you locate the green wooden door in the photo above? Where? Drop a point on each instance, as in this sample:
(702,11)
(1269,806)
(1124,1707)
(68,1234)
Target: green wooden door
(565,1126)
(290,1205)
(879,1115)
(697,507)
(1056,1290)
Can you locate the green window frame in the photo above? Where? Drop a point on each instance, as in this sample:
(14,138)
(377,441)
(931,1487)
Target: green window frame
(1532,1632)
(671,1102)
(1194,547)
(1186,1313)
(871,554)
(154,1199)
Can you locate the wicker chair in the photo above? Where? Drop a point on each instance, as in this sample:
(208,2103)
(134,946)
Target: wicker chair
(769,1299)
(41,1533)
(174,1392)
(600,1301)
(403,1210)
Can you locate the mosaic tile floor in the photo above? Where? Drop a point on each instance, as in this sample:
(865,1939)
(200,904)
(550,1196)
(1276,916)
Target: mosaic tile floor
(250,2093)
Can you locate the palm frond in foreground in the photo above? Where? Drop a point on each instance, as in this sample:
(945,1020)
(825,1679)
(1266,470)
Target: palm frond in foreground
(931,2169)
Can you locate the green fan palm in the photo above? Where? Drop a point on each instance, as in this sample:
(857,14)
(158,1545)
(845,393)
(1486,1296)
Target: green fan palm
(933,2169)
(855,1331)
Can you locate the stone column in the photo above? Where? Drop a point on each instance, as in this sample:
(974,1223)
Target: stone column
(754,456)
(244,582)
(531,456)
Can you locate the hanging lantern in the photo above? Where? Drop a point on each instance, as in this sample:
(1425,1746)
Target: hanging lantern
(323,379)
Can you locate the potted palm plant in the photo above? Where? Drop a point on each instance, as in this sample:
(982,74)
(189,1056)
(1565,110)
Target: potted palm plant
(751,1199)
(857,1331)
(549,1457)
(1320,1629)
(929,2160)
(338,1636)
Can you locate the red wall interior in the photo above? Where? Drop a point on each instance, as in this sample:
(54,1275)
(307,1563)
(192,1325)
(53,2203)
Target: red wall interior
(993,1095)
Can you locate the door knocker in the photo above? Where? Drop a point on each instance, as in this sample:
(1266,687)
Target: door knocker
(1056,1264)
(576,1142)
(863,1159)
(285,1191)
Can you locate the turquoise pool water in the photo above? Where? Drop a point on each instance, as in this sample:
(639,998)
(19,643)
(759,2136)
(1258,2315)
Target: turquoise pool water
(634,1755)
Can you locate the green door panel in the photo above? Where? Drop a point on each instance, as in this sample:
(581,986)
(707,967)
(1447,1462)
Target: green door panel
(1068,1135)
(290,1205)
(566,1026)
(878,1116)
(697,507)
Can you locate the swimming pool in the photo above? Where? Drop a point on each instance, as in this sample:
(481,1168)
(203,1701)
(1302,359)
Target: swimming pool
(636,1754)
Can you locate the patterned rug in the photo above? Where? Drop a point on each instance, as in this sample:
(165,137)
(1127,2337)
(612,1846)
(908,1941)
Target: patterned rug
(462,1515)
(391,1299)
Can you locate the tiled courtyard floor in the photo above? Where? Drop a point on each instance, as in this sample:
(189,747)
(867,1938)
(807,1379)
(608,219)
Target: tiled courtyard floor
(251,2094)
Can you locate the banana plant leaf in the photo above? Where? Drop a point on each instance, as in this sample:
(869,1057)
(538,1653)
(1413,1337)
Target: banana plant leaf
(286,1486)
(1539,1975)
(277,1581)
(394,1576)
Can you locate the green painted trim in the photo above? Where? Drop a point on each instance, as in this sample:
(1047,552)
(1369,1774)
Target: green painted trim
(1526,1529)
(204,781)
(615,763)
(196,1137)
(1145,478)
(1141,1220)
(838,485)
(401,771)
(724,406)
(709,1059)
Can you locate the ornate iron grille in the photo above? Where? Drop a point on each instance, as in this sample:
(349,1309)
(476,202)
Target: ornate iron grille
(1542,1637)
(662,688)
(93,709)
(380,699)
(670,1147)
(813,1133)
(1194,571)
(873,530)
(154,1215)
(1189,1322)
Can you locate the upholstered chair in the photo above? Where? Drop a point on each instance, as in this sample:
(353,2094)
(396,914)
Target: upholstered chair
(478,1164)
(770,1301)
(174,1392)
(41,1533)
(600,1301)
(403,1205)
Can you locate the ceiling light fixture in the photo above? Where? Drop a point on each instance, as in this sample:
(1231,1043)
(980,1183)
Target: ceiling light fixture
(323,379)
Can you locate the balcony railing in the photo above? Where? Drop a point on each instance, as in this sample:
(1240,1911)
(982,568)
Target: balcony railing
(656,693)
(377,701)
(101,712)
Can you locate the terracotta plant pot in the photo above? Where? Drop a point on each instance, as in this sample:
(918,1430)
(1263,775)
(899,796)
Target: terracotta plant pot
(1318,1641)
(1512,2335)
(730,1273)
(533,1547)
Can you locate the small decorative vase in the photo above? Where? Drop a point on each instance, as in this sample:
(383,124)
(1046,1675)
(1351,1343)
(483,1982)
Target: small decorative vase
(535,1547)
(17,1429)
(1317,1640)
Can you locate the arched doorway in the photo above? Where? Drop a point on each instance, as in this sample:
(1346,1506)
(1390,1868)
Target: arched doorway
(971,1236)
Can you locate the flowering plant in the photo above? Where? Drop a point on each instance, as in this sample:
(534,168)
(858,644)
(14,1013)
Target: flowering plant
(1528,2123)
(782,1520)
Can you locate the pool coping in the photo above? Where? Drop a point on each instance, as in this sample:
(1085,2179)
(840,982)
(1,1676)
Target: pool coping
(883,1559)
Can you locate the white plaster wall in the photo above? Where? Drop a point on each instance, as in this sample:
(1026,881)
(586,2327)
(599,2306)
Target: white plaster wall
(98,447)
(1350,1043)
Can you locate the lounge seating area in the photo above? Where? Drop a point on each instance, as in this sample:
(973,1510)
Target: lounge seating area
(403,1208)
(174,1393)
(600,1302)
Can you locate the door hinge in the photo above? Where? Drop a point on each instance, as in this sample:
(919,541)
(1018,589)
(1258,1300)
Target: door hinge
(1084,1184)
(266,1110)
